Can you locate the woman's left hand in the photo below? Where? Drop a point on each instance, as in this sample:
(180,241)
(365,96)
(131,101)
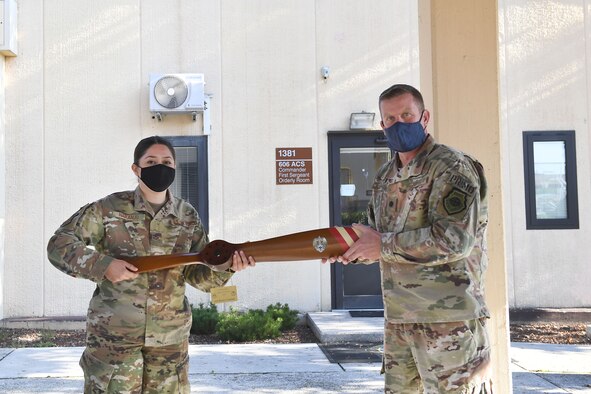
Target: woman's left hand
(240,261)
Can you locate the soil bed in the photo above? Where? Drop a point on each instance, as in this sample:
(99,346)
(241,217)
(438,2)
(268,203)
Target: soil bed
(27,337)
(558,333)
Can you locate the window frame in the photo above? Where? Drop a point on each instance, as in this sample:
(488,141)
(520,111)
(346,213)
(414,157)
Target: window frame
(199,142)
(572,204)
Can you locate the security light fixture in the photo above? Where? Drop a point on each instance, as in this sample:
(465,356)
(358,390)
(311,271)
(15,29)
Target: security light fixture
(361,120)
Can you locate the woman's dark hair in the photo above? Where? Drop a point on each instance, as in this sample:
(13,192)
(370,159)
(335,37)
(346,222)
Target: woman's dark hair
(146,143)
(399,90)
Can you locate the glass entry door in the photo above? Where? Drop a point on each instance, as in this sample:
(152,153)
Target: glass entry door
(355,157)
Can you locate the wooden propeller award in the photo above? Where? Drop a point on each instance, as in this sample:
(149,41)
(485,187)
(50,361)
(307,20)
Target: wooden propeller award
(307,245)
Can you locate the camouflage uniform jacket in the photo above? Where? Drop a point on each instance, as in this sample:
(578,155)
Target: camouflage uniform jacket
(432,214)
(152,307)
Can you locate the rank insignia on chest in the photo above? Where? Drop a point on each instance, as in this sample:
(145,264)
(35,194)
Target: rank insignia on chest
(455,201)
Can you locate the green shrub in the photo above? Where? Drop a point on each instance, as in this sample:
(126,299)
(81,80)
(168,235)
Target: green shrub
(235,326)
(348,218)
(205,319)
(247,326)
(288,317)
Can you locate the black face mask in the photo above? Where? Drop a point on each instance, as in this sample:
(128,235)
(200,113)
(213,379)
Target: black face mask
(158,178)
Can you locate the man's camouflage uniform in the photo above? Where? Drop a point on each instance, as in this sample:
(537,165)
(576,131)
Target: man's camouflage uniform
(137,330)
(432,214)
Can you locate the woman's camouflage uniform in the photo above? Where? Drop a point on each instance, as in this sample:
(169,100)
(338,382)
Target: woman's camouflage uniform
(432,214)
(137,330)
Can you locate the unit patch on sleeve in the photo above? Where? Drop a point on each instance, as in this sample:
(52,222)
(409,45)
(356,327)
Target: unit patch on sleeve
(455,201)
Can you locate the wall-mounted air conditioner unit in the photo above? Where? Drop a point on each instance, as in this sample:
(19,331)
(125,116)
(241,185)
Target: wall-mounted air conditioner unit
(8,27)
(177,94)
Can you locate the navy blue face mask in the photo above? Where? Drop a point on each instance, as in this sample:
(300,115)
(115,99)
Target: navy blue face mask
(404,137)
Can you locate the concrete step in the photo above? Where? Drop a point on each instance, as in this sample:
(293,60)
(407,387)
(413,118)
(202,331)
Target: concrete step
(545,315)
(47,323)
(339,326)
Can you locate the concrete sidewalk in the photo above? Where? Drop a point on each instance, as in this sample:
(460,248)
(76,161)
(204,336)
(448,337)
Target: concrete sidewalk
(544,368)
(292,368)
(296,368)
(246,368)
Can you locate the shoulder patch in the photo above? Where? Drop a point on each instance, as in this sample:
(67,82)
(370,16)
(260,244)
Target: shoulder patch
(455,201)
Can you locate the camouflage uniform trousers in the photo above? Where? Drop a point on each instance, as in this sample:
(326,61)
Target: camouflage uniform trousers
(437,357)
(134,368)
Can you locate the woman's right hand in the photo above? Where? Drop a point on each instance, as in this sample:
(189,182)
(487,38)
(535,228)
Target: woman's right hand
(120,270)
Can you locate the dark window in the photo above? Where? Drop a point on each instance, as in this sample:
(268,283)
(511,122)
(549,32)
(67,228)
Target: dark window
(551,200)
(190,182)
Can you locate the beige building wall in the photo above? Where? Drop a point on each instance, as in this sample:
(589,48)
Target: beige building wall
(2,181)
(544,49)
(363,62)
(77,103)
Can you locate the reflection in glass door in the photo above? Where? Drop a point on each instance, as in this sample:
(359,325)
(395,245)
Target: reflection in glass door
(355,159)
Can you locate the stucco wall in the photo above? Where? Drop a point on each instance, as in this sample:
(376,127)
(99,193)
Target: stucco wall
(2,183)
(77,103)
(544,52)
(77,99)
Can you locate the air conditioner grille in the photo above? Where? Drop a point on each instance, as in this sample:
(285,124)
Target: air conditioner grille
(170,91)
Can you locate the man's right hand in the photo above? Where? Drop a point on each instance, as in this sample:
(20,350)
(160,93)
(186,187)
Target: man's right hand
(367,247)
(120,270)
